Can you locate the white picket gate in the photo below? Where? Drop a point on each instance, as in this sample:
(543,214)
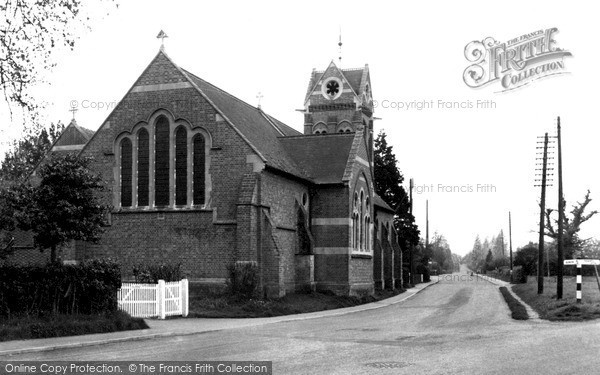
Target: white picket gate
(154,300)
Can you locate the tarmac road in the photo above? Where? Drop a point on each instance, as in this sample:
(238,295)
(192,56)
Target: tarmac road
(459,326)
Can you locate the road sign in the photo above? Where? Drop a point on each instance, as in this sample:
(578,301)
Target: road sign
(572,262)
(579,263)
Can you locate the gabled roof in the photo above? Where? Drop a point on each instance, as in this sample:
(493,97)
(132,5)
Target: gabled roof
(322,157)
(354,77)
(74,137)
(379,202)
(261,131)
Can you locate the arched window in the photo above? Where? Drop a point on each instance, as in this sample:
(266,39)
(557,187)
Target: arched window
(199,169)
(143,168)
(367,233)
(320,128)
(180,166)
(161,162)
(126,171)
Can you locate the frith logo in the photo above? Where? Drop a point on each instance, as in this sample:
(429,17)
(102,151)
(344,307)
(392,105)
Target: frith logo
(515,63)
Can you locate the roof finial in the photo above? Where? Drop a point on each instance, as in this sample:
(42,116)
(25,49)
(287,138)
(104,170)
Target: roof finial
(259,97)
(340,47)
(73,109)
(162,35)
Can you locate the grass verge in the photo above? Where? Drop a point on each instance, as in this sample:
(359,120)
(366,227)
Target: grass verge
(517,309)
(566,309)
(224,306)
(24,328)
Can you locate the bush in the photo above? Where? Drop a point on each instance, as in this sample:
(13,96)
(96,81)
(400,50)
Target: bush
(87,288)
(243,279)
(519,275)
(151,273)
(422,269)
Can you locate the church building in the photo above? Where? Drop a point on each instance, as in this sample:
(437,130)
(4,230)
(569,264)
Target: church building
(198,177)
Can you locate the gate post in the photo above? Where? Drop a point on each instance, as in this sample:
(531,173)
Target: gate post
(161,299)
(184,296)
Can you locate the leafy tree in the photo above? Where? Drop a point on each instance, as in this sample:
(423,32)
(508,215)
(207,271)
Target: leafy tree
(31,32)
(64,206)
(527,258)
(26,153)
(489,260)
(571,227)
(388,185)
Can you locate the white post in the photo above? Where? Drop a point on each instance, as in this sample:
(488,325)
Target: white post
(161,299)
(578,293)
(185,297)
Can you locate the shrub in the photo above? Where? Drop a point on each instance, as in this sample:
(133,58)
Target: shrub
(151,273)
(87,288)
(421,268)
(519,275)
(243,279)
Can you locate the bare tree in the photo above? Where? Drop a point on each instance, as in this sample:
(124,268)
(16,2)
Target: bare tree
(30,33)
(571,241)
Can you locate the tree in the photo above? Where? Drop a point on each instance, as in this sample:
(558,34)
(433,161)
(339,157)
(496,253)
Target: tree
(571,226)
(64,206)
(30,34)
(388,185)
(26,153)
(489,261)
(527,258)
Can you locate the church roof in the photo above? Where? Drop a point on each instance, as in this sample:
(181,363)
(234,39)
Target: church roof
(73,138)
(322,157)
(355,78)
(261,130)
(379,202)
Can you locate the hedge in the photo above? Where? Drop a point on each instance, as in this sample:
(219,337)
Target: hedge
(87,288)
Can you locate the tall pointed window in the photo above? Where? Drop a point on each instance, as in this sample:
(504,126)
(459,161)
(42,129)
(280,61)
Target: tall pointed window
(199,146)
(161,162)
(143,168)
(181,166)
(126,171)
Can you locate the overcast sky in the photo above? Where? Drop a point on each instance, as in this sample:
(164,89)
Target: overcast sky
(415,52)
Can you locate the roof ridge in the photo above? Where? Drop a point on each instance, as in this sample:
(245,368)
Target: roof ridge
(319,135)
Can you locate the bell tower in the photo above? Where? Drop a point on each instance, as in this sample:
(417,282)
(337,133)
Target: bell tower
(339,101)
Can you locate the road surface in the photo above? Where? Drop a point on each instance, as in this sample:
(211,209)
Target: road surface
(459,326)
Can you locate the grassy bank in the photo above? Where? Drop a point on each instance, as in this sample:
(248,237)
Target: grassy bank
(214,306)
(517,309)
(566,309)
(66,325)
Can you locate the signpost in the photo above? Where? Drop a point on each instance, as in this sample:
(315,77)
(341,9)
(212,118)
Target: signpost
(579,263)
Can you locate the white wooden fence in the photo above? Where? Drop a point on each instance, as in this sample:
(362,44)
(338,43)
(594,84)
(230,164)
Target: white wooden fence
(154,300)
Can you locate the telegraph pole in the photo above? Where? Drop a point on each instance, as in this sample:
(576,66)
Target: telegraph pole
(510,245)
(540,275)
(411,250)
(561,207)
(427,224)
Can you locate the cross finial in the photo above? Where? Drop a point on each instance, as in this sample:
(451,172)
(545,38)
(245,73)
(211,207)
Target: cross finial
(162,35)
(259,97)
(73,110)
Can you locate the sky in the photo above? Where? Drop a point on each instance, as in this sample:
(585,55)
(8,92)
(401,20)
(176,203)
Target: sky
(473,165)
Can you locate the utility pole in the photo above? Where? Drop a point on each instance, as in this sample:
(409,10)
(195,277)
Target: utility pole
(510,245)
(561,208)
(411,250)
(427,224)
(540,273)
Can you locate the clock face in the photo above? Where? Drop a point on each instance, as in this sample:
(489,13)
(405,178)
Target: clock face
(331,88)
